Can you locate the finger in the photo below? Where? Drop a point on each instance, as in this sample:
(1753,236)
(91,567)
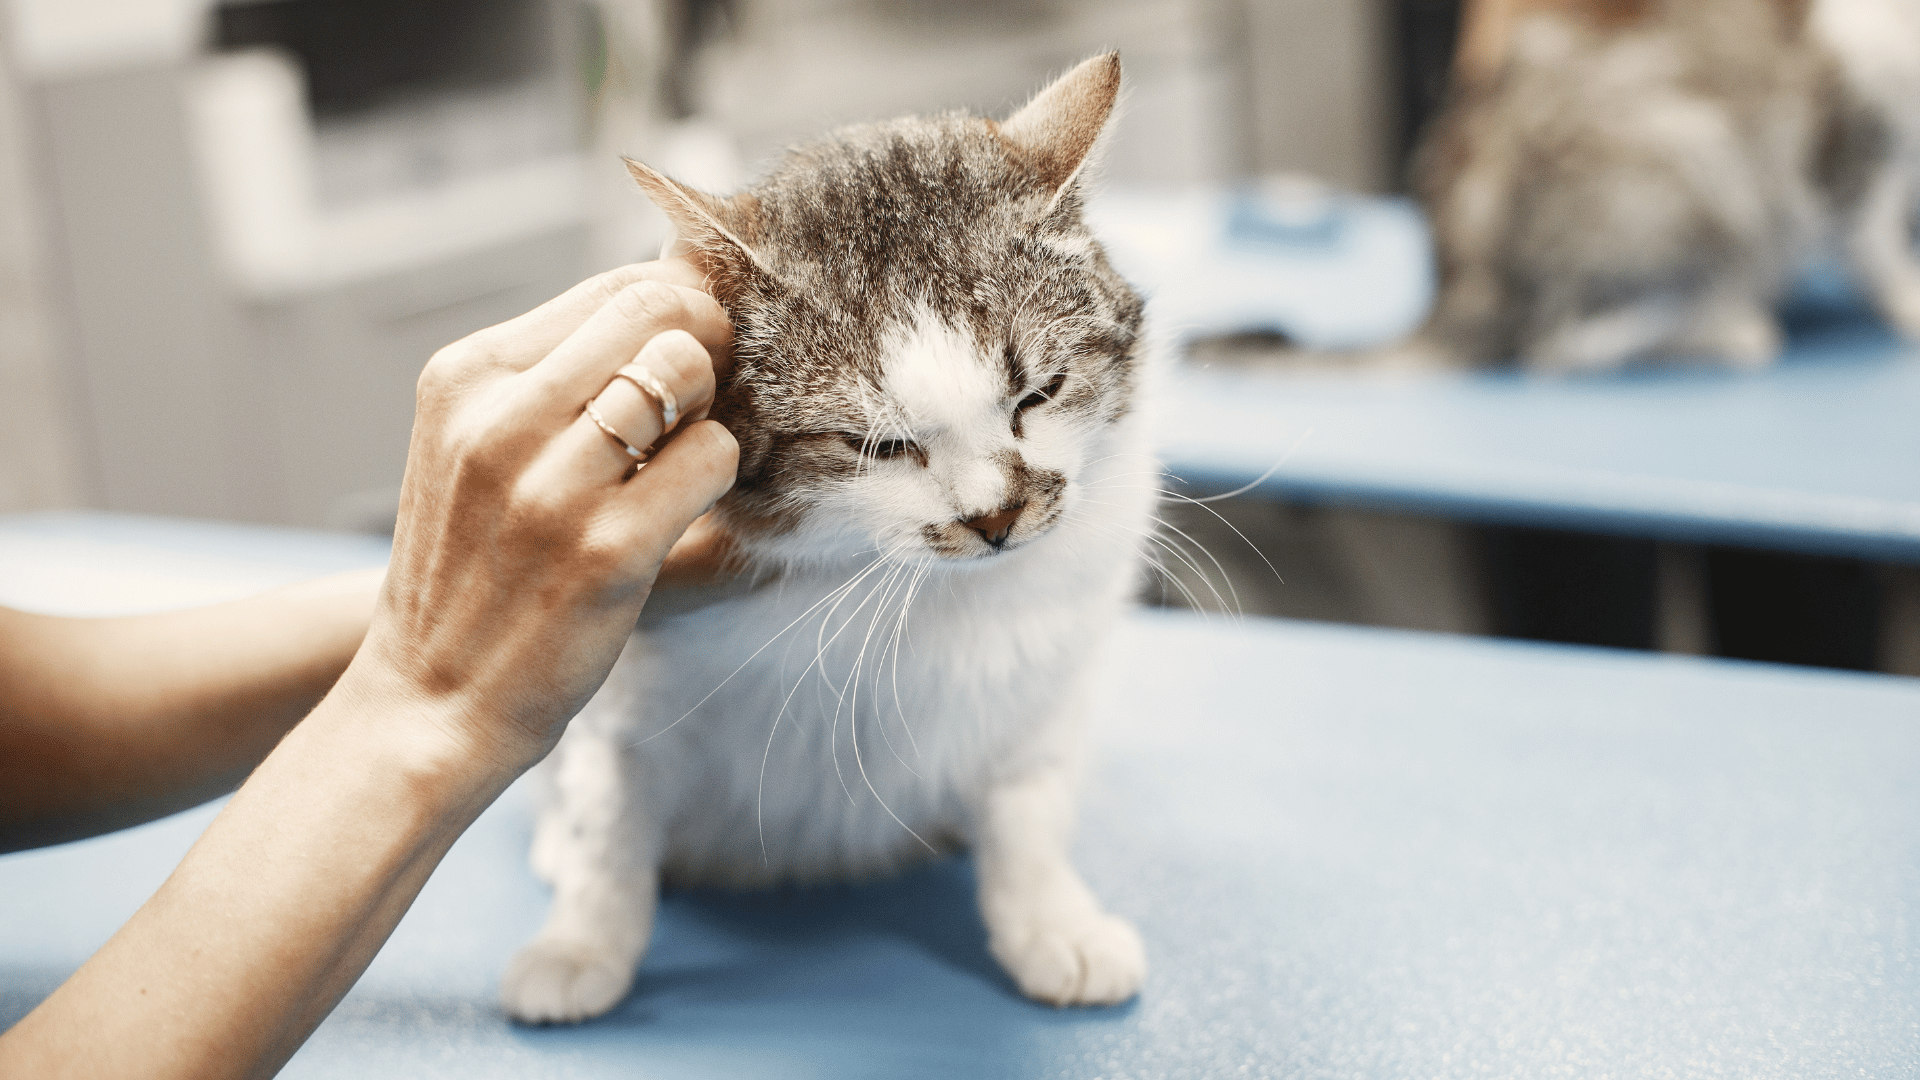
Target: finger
(521,342)
(681,483)
(681,367)
(579,367)
(585,454)
(702,556)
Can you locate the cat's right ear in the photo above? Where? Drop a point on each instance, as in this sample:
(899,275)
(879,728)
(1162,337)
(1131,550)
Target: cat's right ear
(1055,133)
(710,228)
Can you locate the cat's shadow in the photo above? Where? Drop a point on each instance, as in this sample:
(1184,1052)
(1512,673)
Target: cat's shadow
(707,938)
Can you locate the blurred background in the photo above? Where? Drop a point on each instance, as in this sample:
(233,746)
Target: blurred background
(231,232)
(235,230)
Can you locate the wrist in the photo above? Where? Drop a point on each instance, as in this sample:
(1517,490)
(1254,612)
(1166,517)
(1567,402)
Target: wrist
(440,743)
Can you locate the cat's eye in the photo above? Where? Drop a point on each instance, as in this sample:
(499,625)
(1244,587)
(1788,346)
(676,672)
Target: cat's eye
(880,449)
(1044,394)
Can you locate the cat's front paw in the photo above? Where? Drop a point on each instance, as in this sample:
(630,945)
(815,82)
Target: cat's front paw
(1098,959)
(563,982)
(1900,304)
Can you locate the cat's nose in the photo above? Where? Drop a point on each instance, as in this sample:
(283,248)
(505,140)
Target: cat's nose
(994,527)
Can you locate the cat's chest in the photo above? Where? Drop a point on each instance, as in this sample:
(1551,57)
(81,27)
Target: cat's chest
(835,727)
(879,644)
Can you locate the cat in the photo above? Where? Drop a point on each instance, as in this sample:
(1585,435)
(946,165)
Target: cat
(1644,178)
(944,487)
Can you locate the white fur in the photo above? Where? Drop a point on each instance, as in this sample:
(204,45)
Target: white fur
(858,713)
(1877,44)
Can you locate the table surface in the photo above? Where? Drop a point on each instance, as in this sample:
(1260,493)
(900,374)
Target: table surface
(1352,853)
(1819,455)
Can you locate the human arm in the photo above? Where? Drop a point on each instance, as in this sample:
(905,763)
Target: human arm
(525,549)
(106,723)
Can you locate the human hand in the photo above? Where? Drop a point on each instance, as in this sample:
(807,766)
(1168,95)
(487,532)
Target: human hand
(527,539)
(704,555)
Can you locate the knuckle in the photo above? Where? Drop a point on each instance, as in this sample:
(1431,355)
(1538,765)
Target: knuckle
(476,445)
(491,446)
(452,367)
(604,286)
(687,360)
(602,551)
(650,302)
(537,506)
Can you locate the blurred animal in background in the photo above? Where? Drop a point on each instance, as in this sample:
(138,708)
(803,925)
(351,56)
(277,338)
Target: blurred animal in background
(1624,179)
(942,499)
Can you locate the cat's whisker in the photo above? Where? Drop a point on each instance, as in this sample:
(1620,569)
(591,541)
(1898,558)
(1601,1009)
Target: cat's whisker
(1233,593)
(880,662)
(1236,531)
(849,584)
(1160,470)
(1229,603)
(818,665)
(1104,531)
(899,634)
(760,789)
(853,731)
(1169,493)
(1187,593)
(850,687)
(1256,481)
(1165,577)
(1161,541)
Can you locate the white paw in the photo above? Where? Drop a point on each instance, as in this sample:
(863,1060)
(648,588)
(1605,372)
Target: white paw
(1095,960)
(561,982)
(1750,342)
(1901,305)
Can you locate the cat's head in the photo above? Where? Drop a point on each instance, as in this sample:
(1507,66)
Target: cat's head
(929,345)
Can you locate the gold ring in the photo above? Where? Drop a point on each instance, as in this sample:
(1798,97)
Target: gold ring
(593,414)
(650,384)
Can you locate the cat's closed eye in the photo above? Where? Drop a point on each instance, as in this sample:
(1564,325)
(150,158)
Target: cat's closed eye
(881,449)
(1044,394)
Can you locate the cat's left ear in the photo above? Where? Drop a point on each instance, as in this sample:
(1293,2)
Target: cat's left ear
(1055,133)
(711,228)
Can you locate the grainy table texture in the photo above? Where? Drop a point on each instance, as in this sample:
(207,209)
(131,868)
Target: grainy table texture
(1353,853)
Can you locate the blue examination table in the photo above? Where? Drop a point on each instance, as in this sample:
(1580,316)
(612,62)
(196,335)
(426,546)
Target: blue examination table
(1353,854)
(1819,455)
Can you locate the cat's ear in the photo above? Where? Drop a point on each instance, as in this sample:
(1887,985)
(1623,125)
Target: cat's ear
(709,229)
(1055,132)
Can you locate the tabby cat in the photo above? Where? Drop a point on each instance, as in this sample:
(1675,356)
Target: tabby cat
(944,489)
(1644,178)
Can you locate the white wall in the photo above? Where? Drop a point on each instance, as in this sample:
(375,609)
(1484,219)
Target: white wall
(38,463)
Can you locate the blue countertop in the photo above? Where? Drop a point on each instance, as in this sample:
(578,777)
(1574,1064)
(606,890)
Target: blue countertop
(1352,853)
(1820,454)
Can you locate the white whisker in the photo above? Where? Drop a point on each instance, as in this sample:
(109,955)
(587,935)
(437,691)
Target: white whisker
(1107,529)
(760,789)
(1190,563)
(849,584)
(1263,477)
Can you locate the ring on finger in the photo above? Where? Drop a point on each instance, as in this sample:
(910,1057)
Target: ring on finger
(651,386)
(600,422)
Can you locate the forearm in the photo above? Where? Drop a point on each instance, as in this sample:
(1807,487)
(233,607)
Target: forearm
(520,563)
(106,723)
(277,909)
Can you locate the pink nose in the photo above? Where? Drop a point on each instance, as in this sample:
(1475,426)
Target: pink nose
(994,527)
